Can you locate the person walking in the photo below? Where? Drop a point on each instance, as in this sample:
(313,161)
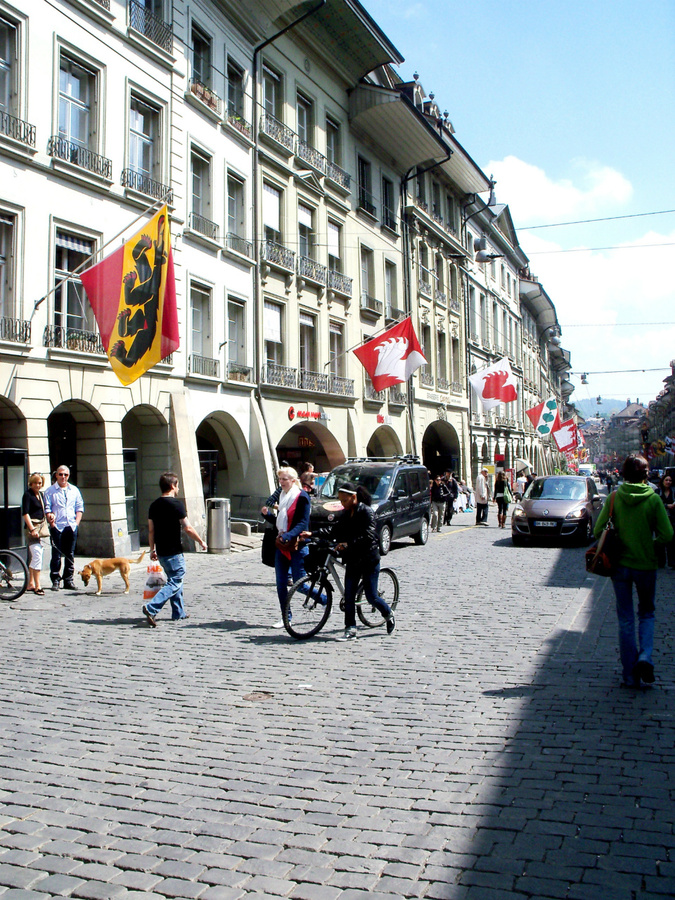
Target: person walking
(502,497)
(355,532)
(166,517)
(667,494)
(440,495)
(35,520)
(453,491)
(482,493)
(292,518)
(64,508)
(638,514)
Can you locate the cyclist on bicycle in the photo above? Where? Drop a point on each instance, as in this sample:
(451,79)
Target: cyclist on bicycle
(355,532)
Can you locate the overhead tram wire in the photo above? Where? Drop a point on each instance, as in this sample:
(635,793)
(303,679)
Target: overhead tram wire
(658,212)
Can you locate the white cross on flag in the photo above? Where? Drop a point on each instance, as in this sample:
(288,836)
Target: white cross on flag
(565,437)
(495,384)
(392,357)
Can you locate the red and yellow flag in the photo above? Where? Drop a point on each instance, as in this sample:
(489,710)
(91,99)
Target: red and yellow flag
(133,295)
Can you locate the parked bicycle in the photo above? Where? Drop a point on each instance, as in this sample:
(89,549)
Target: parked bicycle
(13,575)
(310,599)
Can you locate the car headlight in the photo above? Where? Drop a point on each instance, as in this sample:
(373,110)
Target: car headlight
(519,513)
(576,514)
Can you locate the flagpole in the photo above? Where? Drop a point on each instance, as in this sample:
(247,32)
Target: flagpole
(70,276)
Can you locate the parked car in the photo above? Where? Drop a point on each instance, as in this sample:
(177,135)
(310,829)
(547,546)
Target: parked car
(399,487)
(557,506)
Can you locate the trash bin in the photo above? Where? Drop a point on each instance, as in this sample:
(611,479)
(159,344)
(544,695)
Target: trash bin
(218,533)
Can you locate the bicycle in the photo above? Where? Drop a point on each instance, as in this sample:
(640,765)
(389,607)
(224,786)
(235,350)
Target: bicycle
(310,599)
(13,575)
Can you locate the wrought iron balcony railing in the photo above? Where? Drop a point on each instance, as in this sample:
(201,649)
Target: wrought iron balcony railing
(104,3)
(17,129)
(305,151)
(80,156)
(281,376)
(370,304)
(344,387)
(203,226)
(436,216)
(338,175)
(422,204)
(440,297)
(203,365)
(426,378)
(281,133)
(366,201)
(424,286)
(239,122)
(339,282)
(206,95)
(308,268)
(389,219)
(278,255)
(237,372)
(454,305)
(313,381)
(456,387)
(442,384)
(239,244)
(64,338)
(151,27)
(15,330)
(146,185)
(370,393)
(393,313)
(397,397)
(473,336)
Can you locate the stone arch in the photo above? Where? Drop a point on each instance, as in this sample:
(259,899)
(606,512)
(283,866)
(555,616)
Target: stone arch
(441,448)
(145,455)
(384,442)
(13,428)
(312,442)
(224,456)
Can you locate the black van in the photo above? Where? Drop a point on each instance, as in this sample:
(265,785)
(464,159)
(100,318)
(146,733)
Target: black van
(399,487)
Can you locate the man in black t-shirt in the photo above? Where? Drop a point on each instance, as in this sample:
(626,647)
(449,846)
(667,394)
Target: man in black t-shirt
(166,517)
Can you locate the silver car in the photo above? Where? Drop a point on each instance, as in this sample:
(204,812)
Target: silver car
(557,506)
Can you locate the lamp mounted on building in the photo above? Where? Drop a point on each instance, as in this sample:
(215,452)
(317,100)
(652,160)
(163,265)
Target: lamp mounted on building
(482,253)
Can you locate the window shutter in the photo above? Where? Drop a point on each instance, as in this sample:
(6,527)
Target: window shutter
(272,323)
(334,240)
(271,204)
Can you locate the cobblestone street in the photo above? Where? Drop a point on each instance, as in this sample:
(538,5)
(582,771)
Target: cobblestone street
(484,750)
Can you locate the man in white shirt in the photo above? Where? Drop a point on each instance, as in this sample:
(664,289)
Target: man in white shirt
(521,485)
(64,507)
(482,493)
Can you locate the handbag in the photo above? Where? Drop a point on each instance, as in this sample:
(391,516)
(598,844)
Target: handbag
(287,546)
(42,524)
(268,550)
(603,557)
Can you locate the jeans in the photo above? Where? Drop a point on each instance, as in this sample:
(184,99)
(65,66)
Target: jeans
(645,585)
(63,545)
(174,569)
(370,580)
(281,566)
(481,513)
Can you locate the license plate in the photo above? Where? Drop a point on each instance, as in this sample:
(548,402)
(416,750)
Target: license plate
(544,523)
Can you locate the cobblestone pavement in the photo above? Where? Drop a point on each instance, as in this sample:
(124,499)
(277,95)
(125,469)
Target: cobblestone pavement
(484,750)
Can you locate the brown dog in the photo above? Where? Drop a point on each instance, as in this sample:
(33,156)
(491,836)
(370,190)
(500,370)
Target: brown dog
(100,567)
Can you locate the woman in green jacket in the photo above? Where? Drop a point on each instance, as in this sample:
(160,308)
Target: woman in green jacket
(638,515)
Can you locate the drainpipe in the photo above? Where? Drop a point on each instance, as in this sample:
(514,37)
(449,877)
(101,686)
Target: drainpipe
(256,206)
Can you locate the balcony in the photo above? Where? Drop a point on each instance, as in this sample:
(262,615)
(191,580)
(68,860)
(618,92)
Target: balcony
(206,95)
(339,282)
(313,381)
(63,338)
(279,132)
(454,306)
(365,203)
(424,286)
(369,393)
(442,384)
(15,330)
(203,226)
(456,387)
(343,387)
(17,129)
(104,3)
(393,313)
(237,372)
(474,338)
(436,216)
(281,376)
(278,255)
(396,397)
(203,365)
(154,29)
(310,155)
(440,297)
(426,378)
(370,306)
(422,204)
(389,219)
(236,120)
(239,244)
(137,181)
(338,176)
(60,148)
(314,271)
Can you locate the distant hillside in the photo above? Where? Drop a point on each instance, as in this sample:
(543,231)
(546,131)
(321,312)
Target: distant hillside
(607,406)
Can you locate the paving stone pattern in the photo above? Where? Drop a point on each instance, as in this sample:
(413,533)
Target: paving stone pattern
(484,750)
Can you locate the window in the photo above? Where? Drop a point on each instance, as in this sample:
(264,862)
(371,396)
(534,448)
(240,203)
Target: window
(143,138)
(271,209)
(451,213)
(367,286)
(333,142)
(71,307)
(201,57)
(424,277)
(8,66)
(305,231)
(272,332)
(483,319)
(365,186)
(77,98)
(7,231)
(441,359)
(421,188)
(235,89)
(201,185)
(472,311)
(390,288)
(200,314)
(337,349)
(503,277)
(505,329)
(495,324)
(439,273)
(307,342)
(456,360)
(388,204)
(236,335)
(236,220)
(272,100)
(436,207)
(305,123)
(334,247)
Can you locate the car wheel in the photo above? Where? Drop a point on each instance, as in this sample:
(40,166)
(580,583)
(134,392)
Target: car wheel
(385,540)
(589,537)
(422,535)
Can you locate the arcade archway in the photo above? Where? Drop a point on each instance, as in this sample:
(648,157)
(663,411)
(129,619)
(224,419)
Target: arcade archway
(440,449)
(145,452)
(223,457)
(310,442)
(384,442)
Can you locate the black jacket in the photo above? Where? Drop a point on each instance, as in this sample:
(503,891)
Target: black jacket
(440,492)
(359,533)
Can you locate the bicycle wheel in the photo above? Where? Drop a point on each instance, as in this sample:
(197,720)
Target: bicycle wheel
(387,588)
(13,575)
(308,606)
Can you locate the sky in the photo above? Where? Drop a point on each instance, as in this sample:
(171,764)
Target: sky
(571,107)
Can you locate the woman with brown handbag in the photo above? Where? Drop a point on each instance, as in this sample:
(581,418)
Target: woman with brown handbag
(35,520)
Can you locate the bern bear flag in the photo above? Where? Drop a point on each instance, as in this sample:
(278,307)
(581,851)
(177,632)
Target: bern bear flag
(392,357)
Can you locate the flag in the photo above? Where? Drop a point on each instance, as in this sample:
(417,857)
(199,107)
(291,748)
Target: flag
(565,437)
(545,416)
(495,384)
(392,357)
(133,294)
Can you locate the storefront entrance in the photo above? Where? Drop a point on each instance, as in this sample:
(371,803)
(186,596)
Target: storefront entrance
(440,449)
(310,442)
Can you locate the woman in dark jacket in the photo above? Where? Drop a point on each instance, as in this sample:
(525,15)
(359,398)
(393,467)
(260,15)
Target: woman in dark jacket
(357,541)
(291,519)
(667,494)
